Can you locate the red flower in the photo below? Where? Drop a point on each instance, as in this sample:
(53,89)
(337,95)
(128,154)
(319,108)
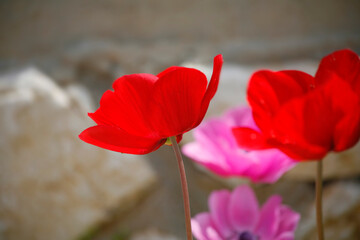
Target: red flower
(305,116)
(144,110)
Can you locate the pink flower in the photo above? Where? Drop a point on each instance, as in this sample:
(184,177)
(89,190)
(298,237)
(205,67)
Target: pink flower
(216,149)
(237,216)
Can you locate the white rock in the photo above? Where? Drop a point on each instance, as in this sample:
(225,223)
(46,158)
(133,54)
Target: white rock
(53,185)
(80,96)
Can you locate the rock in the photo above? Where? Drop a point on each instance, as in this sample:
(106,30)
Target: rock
(52,185)
(341,211)
(152,234)
(80,96)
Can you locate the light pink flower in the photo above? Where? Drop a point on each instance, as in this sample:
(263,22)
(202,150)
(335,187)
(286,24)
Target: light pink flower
(237,216)
(215,148)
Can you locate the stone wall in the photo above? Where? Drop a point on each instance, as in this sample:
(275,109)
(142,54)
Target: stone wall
(241,29)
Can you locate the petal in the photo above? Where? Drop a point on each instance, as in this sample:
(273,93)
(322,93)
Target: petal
(302,153)
(199,224)
(345,106)
(213,234)
(116,139)
(289,221)
(214,146)
(170,69)
(347,131)
(269,218)
(345,64)
(216,149)
(211,89)
(215,137)
(243,209)
(286,236)
(218,205)
(179,138)
(141,81)
(302,129)
(176,101)
(249,139)
(268,91)
(197,153)
(240,117)
(269,166)
(326,119)
(127,107)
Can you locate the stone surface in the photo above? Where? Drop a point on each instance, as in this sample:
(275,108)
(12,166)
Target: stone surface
(341,208)
(52,185)
(242,29)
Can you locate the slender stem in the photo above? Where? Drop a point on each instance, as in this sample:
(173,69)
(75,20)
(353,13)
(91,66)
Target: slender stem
(184,187)
(319,220)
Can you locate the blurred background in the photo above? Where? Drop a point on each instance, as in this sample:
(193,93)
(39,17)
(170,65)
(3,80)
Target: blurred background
(58,57)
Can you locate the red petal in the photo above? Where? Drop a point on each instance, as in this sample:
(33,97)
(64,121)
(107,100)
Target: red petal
(326,119)
(345,105)
(268,91)
(170,69)
(345,64)
(301,152)
(179,138)
(116,139)
(176,101)
(249,139)
(143,81)
(127,107)
(302,128)
(212,88)
(347,131)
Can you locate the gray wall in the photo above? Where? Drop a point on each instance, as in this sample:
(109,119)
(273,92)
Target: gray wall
(244,30)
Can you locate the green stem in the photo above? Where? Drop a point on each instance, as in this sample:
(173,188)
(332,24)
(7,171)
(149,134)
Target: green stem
(184,187)
(319,220)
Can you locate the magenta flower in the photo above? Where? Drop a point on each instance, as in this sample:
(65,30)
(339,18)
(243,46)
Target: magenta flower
(237,216)
(216,149)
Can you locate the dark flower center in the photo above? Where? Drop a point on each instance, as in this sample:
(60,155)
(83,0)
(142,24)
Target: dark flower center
(247,236)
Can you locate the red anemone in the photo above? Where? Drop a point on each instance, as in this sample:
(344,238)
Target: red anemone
(305,116)
(144,109)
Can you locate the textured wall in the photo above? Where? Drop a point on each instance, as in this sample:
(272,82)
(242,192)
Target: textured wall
(262,29)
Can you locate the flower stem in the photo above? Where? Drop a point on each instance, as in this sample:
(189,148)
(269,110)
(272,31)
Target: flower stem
(184,187)
(319,220)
